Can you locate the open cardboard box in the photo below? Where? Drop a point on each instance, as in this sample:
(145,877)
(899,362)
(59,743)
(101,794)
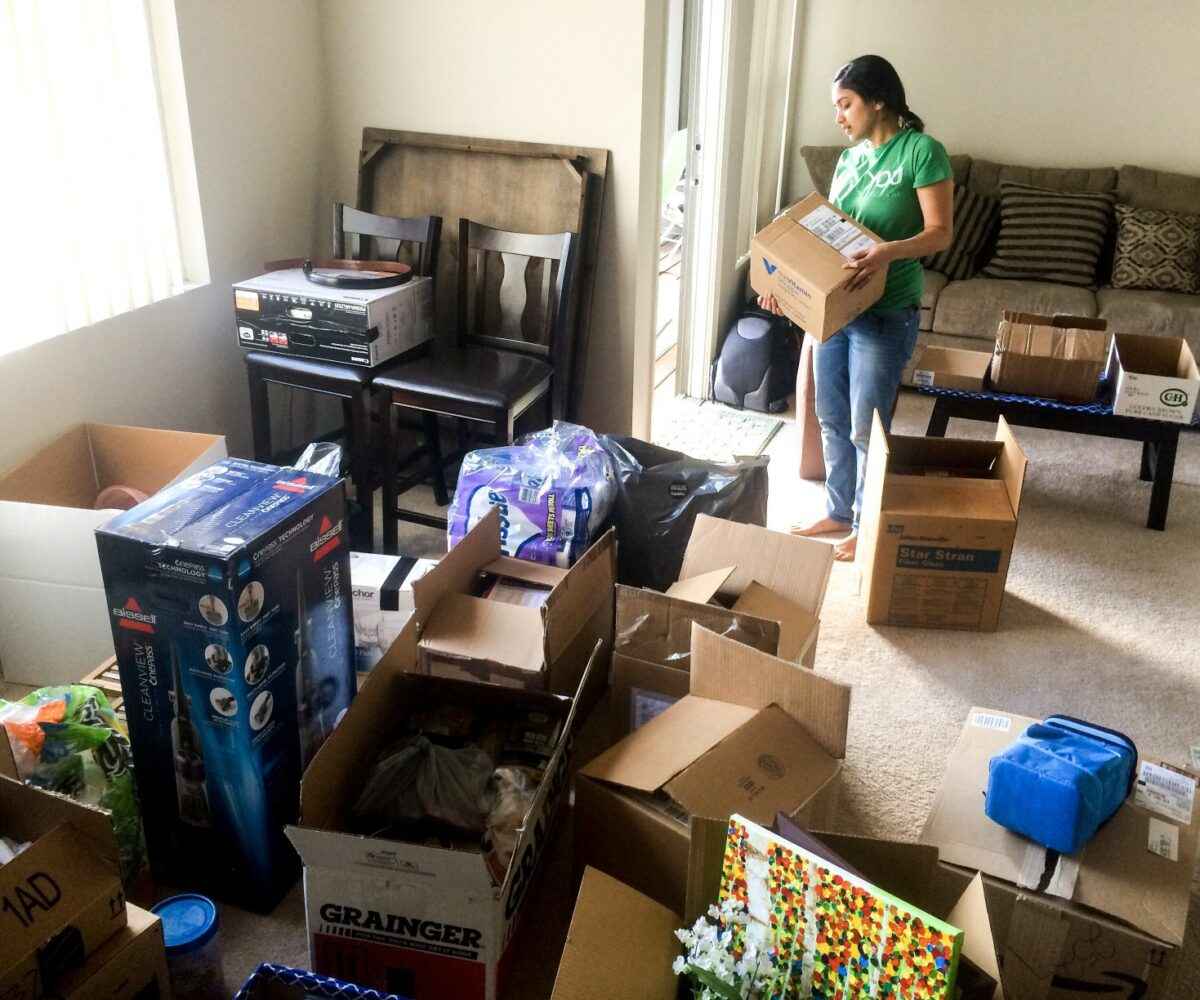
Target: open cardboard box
(62,895)
(762,587)
(1109,919)
(420,919)
(49,571)
(465,637)
(1058,357)
(938,526)
(1153,377)
(754,735)
(952,368)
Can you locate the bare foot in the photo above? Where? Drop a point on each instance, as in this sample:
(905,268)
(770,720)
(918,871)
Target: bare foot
(844,550)
(822,526)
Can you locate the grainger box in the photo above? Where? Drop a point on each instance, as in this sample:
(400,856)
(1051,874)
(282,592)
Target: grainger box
(229,597)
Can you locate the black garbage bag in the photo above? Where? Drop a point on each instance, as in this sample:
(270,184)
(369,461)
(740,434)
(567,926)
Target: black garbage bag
(659,494)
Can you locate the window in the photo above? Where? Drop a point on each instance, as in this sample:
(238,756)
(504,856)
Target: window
(97,170)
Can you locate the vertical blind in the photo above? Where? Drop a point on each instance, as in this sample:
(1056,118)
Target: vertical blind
(84,169)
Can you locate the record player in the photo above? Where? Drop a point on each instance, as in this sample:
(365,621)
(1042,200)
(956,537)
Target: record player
(354,312)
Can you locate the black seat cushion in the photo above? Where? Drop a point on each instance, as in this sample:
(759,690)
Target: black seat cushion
(301,371)
(477,376)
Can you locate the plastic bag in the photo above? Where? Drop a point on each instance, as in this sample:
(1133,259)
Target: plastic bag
(554,489)
(514,789)
(324,458)
(659,494)
(69,740)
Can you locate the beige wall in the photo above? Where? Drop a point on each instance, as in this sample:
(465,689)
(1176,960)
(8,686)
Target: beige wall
(1080,83)
(537,70)
(253,74)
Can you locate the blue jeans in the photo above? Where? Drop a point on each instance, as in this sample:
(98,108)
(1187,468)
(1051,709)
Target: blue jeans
(857,371)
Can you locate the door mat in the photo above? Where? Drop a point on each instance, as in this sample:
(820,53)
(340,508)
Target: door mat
(713,431)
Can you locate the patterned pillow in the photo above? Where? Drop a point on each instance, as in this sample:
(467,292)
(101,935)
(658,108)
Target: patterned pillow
(974,216)
(1050,235)
(1157,250)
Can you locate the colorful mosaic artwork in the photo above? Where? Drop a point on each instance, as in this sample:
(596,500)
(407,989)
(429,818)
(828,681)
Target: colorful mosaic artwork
(834,935)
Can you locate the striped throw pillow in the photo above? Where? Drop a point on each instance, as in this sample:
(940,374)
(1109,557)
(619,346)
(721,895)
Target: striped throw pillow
(974,216)
(1157,250)
(1050,235)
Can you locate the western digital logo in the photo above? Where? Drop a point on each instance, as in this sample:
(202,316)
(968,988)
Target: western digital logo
(771,268)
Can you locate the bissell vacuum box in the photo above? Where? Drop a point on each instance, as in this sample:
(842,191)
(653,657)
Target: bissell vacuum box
(229,598)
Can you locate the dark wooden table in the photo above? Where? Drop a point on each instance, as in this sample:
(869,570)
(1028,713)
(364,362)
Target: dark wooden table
(1159,440)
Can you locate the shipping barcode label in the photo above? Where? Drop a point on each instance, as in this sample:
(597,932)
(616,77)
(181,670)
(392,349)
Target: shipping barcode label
(528,494)
(922,378)
(1165,792)
(1164,839)
(988,720)
(841,234)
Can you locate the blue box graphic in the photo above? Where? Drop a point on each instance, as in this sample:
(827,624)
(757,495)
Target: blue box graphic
(229,597)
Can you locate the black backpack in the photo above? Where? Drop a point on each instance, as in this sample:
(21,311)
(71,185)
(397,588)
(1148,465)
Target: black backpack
(756,366)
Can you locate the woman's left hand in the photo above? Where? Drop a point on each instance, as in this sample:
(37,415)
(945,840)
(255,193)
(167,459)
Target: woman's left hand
(865,263)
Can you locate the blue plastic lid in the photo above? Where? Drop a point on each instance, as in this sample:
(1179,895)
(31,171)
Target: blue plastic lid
(189,922)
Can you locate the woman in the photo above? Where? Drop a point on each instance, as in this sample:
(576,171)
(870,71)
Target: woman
(897,182)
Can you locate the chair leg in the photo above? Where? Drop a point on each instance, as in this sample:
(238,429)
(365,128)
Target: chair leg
(505,429)
(360,469)
(260,415)
(436,468)
(391,541)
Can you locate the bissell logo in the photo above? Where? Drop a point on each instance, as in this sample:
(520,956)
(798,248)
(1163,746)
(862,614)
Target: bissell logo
(771,268)
(297,485)
(1173,397)
(328,539)
(133,617)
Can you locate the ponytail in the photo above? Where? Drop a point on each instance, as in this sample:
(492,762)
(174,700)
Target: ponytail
(910,119)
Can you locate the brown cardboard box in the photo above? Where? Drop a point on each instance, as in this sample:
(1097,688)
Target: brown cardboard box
(754,735)
(1153,377)
(1060,357)
(132,963)
(799,258)
(951,368)
(770,587)
(464,637)
(430,916)
(938,525)
(61,896)
(1111,917)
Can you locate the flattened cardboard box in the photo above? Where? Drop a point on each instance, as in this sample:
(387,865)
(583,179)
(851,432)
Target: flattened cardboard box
(1118,891)
(1155,378)
(422,920)
(951,368)
(1059,357)
(800,258)
(62,896)
(754,735)
(773,583)
(938,526)
(48,563)
(131,964)
(464,637)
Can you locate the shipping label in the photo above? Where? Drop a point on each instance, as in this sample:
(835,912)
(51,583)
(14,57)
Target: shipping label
(841,234)
(1166,792)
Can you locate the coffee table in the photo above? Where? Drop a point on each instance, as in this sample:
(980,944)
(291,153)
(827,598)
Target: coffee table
(1159,439)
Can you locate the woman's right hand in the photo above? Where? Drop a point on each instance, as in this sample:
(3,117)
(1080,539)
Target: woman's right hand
(770,304)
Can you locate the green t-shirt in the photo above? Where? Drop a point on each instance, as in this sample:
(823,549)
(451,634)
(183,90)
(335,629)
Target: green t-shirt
(878,187)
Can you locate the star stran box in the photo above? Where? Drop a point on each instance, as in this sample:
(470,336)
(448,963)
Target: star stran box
(229,598)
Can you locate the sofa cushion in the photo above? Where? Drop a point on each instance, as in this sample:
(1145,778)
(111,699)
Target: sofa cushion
(987,176)
(1167,314)
(1157,250)
(935,281)
(1048,235)
(822,160)
(1158,189)
(973,308)
(975,216)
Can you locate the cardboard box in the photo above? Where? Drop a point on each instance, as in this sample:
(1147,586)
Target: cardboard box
(229,597)
(61,896)
(770,587)
(466,637)
(800,258)
(1060,357)
(1153,377)
(1108,919)
(754,735)
(52,620)
(381,588)
(132,963)
(952,368)
(417,919)
(938,525)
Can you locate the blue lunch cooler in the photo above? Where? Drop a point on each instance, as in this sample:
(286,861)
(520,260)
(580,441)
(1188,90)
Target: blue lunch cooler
(1060,781)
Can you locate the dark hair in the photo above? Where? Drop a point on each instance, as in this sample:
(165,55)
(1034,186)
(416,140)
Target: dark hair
(873,78)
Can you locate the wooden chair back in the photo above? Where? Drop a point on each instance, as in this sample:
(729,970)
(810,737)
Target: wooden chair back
(413,241)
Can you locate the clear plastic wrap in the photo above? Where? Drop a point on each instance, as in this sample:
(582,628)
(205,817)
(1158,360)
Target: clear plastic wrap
(554,489)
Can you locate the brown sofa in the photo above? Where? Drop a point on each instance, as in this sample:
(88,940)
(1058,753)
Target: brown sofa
(966,313)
